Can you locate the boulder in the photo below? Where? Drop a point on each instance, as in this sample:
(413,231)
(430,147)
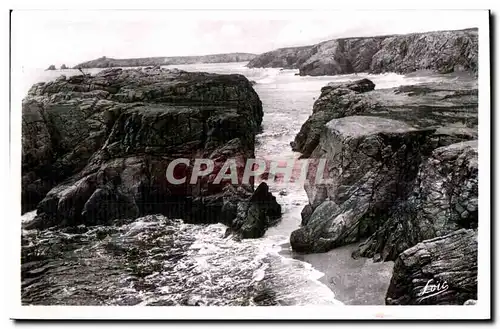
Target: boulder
(444,199)
(439,271)
(370,163)
(450,106)
(336,101)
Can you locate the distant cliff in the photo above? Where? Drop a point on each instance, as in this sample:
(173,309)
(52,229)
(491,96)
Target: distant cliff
(288,58)
(441,51)
(104,61)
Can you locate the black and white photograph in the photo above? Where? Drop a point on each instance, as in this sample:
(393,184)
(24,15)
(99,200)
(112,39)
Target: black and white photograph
(263,164)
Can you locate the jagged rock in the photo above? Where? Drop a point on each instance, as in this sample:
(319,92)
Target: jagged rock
(449,106)
(256,215)
(64,67)
(444,199)
(51,68)
(441,51)
(289,58)
(371,161)
(104,62)
(107,141)
(449,260)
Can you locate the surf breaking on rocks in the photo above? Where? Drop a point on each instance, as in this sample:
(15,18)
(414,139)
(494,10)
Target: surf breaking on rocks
(159,261)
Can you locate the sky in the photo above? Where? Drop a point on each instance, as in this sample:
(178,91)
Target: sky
(42,38)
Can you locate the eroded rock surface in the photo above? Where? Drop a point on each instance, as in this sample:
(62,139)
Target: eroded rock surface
(97,148)
(449,260)
(449,106)
(105,62)
(379,149)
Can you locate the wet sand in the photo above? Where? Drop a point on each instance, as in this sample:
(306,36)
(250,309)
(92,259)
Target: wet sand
(354,281)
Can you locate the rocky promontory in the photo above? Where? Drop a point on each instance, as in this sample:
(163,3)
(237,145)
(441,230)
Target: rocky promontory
(444,198)
(441,51)
(402,164)
(96,149)
(105,62)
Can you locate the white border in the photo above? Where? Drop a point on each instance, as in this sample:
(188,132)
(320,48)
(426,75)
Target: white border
(480,311)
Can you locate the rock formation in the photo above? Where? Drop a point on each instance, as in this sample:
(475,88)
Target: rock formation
(64,67)
(371,161)
(449,261)
(105,62)
(442,51)
(51,68)
(96,148)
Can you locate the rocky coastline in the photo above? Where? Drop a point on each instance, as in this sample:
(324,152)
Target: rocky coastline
(404,180)
(440,51)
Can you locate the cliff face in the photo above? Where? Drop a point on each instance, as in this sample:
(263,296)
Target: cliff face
(96,148)
(442,51)
(105,62)
(289,58)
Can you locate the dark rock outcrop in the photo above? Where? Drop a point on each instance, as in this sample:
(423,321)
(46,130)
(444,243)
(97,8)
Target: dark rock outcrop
(441,51)
(257,214)
(289,58)
(444,199)
(450,106)
(51,68)
(391,154)
(64,67)
(449,261)
(370,162)
(106,62)
(97,148)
